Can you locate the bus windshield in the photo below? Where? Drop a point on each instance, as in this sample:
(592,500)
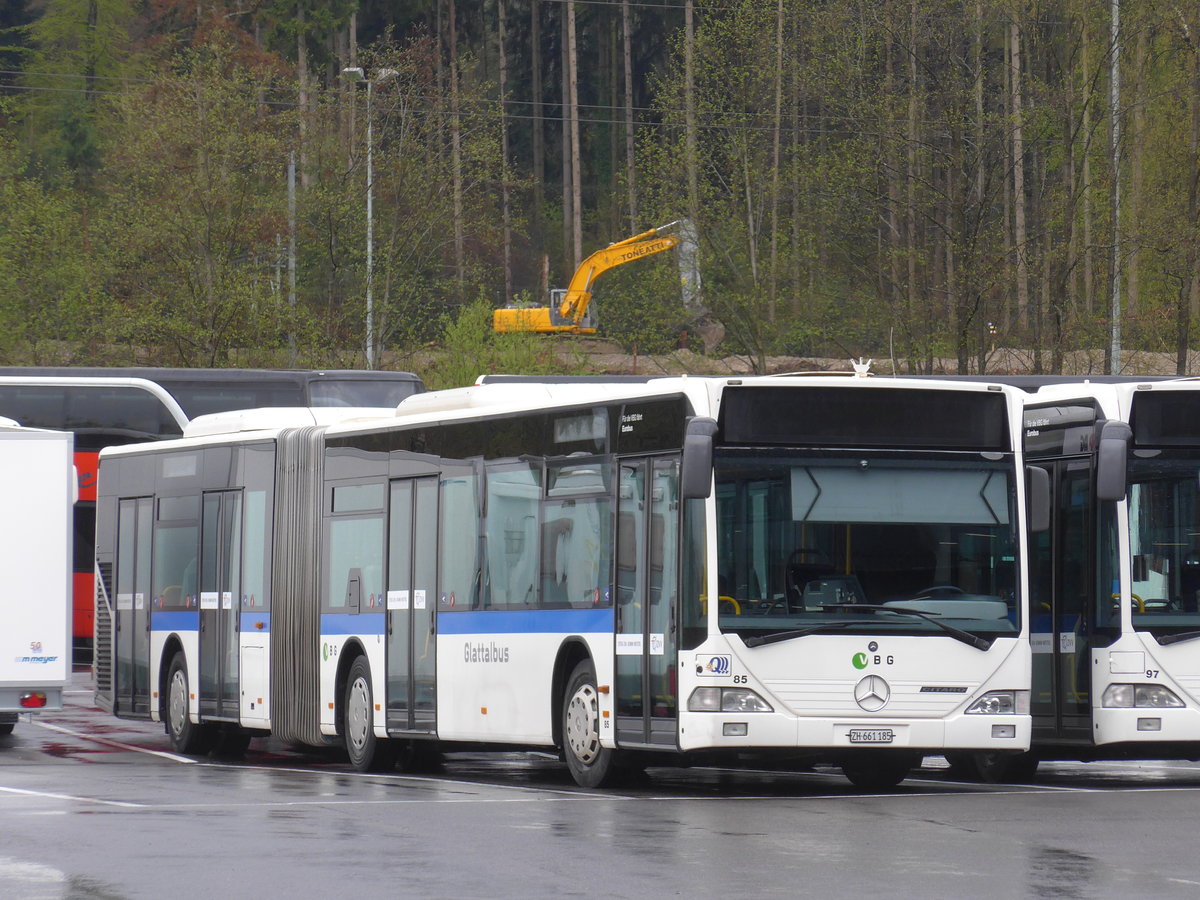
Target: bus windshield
(1164,539)
(866,542)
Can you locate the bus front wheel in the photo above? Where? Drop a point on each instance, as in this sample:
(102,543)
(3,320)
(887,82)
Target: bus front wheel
(879,771)
(186,736)
(367,752)
(591,764)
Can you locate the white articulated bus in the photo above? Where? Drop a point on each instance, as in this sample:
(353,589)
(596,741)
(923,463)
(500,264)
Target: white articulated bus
(37,491)
(690,569)
(1115,580)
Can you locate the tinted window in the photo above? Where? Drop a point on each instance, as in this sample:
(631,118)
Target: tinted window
(865,417)
(96,414)
(1163,419)
(199,398)
(347,392)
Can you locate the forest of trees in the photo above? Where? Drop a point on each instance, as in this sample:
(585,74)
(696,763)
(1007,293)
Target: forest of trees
(185,182)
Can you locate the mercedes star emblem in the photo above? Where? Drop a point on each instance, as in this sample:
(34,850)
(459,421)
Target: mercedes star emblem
(872,693)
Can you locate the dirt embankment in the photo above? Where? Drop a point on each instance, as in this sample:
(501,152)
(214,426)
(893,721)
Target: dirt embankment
(605,358)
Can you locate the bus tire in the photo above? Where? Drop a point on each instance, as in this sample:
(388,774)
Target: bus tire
(231,743)
(962,764)
(187,737)
(879,772)
(1005,768)
(367,753)
(591,765)
(417,757)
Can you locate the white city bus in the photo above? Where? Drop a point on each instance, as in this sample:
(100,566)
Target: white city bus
(1115,580)
(689,570)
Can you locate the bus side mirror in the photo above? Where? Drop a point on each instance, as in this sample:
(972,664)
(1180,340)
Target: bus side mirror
(1037,498)
(697,470)
(1111,461)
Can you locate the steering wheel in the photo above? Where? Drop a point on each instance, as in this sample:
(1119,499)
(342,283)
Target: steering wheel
(793,584)
(800,552)
(1141,604)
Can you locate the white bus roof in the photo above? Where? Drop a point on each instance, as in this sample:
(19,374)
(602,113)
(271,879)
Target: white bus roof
(273,418)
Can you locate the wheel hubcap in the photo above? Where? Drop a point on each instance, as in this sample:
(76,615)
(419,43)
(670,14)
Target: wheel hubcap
(583,736)
(178,702)
(358,718)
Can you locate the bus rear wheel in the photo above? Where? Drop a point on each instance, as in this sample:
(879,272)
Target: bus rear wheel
(367,753)
(591,765)
(186,736)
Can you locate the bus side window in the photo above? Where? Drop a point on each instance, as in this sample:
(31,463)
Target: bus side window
(556,550)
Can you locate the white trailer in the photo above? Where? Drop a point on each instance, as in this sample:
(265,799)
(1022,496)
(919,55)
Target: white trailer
(38,488)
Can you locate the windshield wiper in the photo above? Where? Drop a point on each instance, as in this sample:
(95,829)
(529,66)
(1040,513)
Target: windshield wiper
(800,632)
(1177,638)
(958,634)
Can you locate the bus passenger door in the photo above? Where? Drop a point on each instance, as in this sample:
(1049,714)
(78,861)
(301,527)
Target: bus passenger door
(648,517)
(411,601)
(220,604)
(134,524)
(1061,592)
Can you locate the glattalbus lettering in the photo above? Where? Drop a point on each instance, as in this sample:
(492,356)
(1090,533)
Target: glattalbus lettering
(484,653)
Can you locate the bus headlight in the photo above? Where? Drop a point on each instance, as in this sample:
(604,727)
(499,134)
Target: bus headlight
(995,703)
(1127,696)
(714,699)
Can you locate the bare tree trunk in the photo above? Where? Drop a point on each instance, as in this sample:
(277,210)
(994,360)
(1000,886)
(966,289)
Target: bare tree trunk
(460,270)
(691,162)
(797,138)
(1018,151)
(1136,171)
(302,99)
(1071,192)
(614,210)
(751,231)
(539,134)
(1115,312)
(776,141)
(349,87)
(505,199)
(982,328)
(1089,274)
(630,139)
(568,194)
(1189,290)
(911,180)
(576,176)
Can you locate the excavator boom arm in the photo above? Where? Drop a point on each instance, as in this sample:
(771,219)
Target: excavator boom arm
(579,292)
(570,315)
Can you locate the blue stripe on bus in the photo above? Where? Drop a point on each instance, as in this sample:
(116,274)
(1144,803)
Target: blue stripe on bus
(175,620)
(345,623)
(527,621)
(251,620)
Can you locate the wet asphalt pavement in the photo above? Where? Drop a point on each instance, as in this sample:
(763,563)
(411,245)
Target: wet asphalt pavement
(95,807)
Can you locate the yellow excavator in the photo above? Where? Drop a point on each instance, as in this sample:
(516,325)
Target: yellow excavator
(568,313)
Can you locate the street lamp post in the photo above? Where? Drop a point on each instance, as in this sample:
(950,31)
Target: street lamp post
(356,74)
